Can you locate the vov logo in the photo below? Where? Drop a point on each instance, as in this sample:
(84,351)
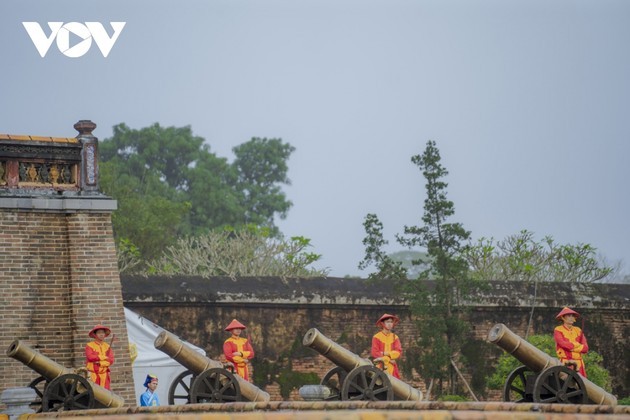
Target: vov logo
(61,32)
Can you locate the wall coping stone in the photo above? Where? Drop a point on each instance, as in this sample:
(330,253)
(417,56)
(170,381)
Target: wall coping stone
(355,291)
(83,203)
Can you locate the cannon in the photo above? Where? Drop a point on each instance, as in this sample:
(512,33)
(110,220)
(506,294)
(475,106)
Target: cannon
(206,380)
(543,378)
(59,388)
(356,378)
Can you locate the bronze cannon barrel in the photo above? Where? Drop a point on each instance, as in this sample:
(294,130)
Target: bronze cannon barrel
(537,360)
(337,354)
(347,360)
(50,370)
(197,363)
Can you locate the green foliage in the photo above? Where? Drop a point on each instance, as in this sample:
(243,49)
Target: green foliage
(477,358)
(289,380)
(456,398)
(507,363)
(148,221)
(128,255)
(265,372)
(169,184)
(387,268)
(624,401)
(249,251)
(281,371)
(520,257)
(260,166)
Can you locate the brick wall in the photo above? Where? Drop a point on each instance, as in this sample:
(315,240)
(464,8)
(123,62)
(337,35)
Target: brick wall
(345,310)
(59,278)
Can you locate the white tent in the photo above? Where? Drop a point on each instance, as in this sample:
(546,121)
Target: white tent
(142,334)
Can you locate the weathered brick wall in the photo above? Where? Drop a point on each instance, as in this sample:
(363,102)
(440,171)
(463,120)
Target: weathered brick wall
(96,295)
(59,278)
(278,312)
(35,302)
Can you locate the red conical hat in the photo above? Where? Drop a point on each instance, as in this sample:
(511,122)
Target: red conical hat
(566,311)
(235,324)
(379,323)
(100,327)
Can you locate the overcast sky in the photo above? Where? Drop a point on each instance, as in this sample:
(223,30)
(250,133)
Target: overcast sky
(528,102)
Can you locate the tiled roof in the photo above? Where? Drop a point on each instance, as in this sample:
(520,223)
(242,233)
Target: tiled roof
(38,138)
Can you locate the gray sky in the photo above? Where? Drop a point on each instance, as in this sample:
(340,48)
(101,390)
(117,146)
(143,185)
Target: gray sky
(527,100)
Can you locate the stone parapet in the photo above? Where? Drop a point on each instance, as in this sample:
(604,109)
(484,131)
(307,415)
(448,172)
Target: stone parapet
(354,291)
(382,410)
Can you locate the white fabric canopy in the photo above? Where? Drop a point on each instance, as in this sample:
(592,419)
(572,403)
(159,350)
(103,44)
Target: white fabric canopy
(142,334)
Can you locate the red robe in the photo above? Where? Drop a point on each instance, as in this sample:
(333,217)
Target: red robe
(570,344)
(390,343)
(99,357)
(242,345)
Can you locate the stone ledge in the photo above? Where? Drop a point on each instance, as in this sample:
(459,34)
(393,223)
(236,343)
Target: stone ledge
(385,410)
(82,204)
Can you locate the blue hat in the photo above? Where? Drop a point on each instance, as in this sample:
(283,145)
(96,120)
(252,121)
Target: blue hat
(147,381)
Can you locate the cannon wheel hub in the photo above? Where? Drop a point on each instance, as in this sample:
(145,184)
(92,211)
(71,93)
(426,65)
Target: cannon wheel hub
(367,383)
(215,385)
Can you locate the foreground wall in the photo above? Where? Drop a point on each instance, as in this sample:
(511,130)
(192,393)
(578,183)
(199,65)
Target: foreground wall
(278,312)
(58,266)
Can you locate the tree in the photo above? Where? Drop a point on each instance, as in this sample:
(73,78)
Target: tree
(439,307)
(248,251)
(169,184)
(261,166)
(149,213)
(387,268)
(521,258)
(167,152)
(440,310)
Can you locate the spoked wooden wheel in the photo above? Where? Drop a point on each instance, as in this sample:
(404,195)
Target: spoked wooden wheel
(559,384)
(179,391)
(334,380)
(39,385)
(514,388)
(68,392)
(367,383)
(215,385)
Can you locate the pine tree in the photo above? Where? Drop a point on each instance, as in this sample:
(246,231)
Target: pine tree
(438,304)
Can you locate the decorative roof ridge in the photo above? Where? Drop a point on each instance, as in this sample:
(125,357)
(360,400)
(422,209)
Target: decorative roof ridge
(20,137)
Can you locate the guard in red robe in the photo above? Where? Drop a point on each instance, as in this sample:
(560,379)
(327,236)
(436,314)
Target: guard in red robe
(570,340)
(386,346)
(99,356)
(237,349)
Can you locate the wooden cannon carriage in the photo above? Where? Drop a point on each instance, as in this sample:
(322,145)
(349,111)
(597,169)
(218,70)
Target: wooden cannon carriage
(356,378)
(206,380)
(543,378)
(64,389)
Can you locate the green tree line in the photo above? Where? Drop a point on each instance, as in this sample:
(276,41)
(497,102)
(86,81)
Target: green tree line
(175,196)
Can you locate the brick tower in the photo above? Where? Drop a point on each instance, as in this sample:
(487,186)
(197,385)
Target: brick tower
(58,267)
